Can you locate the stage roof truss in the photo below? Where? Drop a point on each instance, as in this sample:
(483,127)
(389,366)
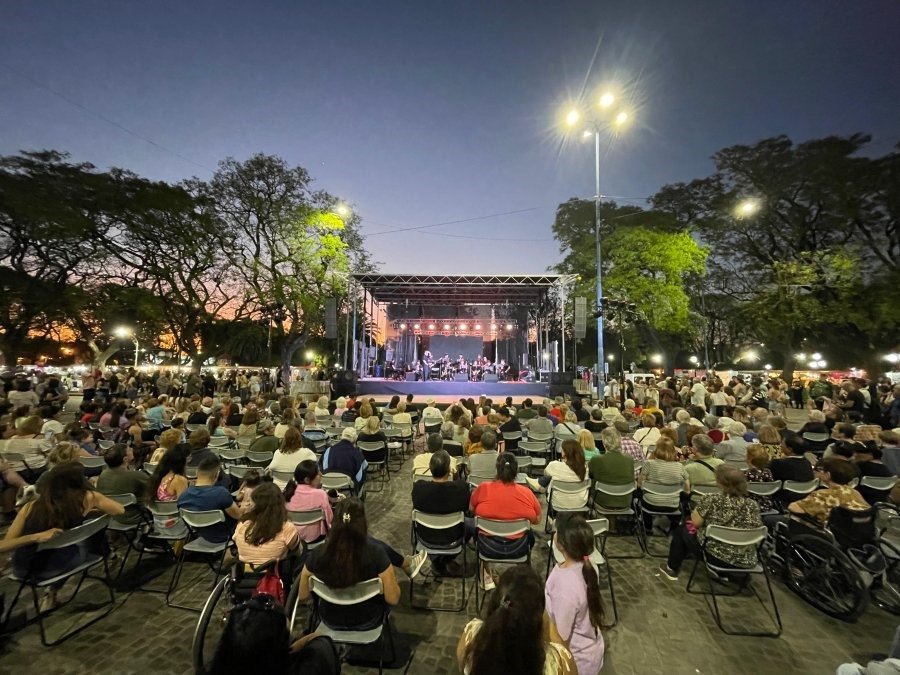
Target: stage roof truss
(478,289)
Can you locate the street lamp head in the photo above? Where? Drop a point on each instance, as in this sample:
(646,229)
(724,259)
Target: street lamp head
(572,117)
(694,360)
(587,133)
(606,99)
(122,332)
(747,208)
(622,119)
(342,210)
(656,358)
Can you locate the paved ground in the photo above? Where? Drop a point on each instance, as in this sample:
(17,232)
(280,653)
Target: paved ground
(661,628)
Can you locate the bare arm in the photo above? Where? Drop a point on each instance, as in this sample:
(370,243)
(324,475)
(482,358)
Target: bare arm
(696,519)
(234,511)
(94,501)
(8,544)
(303,593)
(390,585)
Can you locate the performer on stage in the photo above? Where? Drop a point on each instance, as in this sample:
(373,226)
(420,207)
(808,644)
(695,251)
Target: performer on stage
(428,362)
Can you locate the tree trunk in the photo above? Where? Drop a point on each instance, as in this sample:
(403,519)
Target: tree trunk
(101,357)
(11,349)
(789,364)
(289,348)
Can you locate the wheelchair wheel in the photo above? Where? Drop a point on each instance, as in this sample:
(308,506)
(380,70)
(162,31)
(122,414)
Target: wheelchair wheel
(211,624)
(825,577)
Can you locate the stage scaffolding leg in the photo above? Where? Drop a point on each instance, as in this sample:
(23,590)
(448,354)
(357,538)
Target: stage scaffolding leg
(355,348)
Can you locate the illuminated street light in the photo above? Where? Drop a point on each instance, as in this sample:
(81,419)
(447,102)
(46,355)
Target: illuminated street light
(608,120)
(800,357)
(124,332)
(768,366)
(892,358)
(656,358)
(751,356)
(817,356)
(694,360)
(747,208)
(509,326)
(342,210)
(310,355)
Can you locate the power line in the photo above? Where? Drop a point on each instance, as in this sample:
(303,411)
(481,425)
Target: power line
(450,222)
(103,117)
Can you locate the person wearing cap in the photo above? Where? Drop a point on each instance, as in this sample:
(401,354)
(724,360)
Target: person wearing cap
(344,457)
(430,414)
(266,441)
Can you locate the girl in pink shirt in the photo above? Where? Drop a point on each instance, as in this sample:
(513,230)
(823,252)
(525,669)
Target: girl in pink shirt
(304,494)
(265,533)
(572,593)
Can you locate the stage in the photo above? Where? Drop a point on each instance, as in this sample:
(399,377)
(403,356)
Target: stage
(372,386)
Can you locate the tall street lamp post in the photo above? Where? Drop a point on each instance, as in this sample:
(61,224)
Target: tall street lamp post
(594,124)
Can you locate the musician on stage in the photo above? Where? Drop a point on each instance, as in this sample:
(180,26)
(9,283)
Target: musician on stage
(428,362)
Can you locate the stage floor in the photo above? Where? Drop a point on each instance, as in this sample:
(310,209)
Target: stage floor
(451,391)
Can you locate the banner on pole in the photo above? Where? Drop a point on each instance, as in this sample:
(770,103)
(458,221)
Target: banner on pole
(331,318)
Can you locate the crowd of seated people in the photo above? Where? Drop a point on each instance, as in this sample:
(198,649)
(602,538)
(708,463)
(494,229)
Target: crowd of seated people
(648,442)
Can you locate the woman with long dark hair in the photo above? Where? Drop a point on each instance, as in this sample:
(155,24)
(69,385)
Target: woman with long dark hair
(265,533)
(351,555)
(516,635)
(64,501)
(572,594)
(168,480)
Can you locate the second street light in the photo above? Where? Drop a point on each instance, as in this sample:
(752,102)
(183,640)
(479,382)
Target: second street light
(601,118)
(123,332)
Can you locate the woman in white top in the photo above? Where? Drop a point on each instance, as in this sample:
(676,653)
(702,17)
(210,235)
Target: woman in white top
(23,395)
(290,454)
(648,434)
(288,420)
(571,469)
(322,407)
(567,427)
(365,412)
(401,416)
(30,443)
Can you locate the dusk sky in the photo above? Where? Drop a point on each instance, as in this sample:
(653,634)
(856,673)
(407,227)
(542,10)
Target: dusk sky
(419,113)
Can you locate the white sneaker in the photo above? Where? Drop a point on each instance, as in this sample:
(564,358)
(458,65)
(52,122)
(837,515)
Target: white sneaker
(416,562)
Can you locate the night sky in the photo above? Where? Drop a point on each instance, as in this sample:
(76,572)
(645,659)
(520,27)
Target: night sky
(420,113)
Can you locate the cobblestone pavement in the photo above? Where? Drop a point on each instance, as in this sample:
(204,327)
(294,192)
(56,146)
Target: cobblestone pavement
(661,628)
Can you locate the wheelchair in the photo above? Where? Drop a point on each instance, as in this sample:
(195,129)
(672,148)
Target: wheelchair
(838,568)
(234,588)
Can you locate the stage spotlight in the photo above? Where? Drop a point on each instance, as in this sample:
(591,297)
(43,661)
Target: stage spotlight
(493,326)
(431,326)
(416,326)
(509,326)
(402,326)
(463,326)
(477,326)
(446,326)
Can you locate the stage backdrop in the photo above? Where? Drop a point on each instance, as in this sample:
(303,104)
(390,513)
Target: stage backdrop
(454,345)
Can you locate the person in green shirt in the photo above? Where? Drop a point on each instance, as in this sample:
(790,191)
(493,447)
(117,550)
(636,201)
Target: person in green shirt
(701,469)
(613,468)
(118,480)
(267,441)
(527,412)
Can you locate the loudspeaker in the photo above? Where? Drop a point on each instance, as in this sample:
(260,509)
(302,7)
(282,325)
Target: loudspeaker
(410,377)
(344,382)
(561,390)
(339,377)
(566,378)
(461,377)
(555,378)
(490,377)
(331,318)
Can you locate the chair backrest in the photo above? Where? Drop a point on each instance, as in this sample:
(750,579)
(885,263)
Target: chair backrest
(433,428)
(662,489)
(238,470)
(310,517)
(231,453)
(816,437)
(614,490)
(259,457)
(371,446)
(218,441)
(475,481)
(453,448)
(282,476)
(190,472)
(336,481)
(763,488)
(884,483)
(127,499)
(705,489)
(105,445)
(569,486)
(438,521)
(852,528)
(534,437)
(149,468)
(534,446)
(421,476)
(736,536)
(502,528)
(600,526)
(353,595)
(198,519)
(163,508)
(76,535)
(800,487)
(92,462)
(512,435)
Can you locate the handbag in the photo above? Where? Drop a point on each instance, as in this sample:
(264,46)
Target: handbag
(271,584)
